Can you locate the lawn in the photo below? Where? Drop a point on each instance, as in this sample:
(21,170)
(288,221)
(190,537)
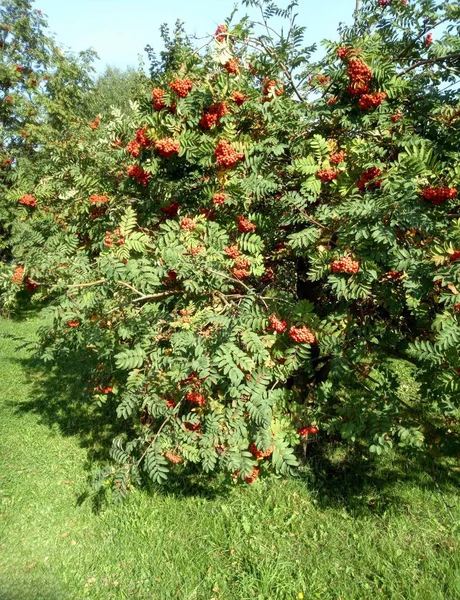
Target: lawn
(344,529)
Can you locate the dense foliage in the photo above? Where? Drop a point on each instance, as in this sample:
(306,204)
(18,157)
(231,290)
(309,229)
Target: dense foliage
(243,256)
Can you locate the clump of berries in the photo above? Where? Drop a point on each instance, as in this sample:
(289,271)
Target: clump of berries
(231,66)
(226,154)
(368,179)
(344,52)
(97,199)
(231,251)
(439,195)
(219,198)
(307,430)
(167,147)
(327,175)
(213,115)
(28,200)
(302,335)
(345,264)
(220,32)
(244,226)
(360,76)
(239,98)
(270,87)
(133,148)
(138,173)
(182,87)
(142,138)
(196,398)
(188,224)
(157,97)
(18,274)
(173,458)
(171,210)
(258,454)
(276,324)
(338,157)
(253,476)
(240,268)
(371,101)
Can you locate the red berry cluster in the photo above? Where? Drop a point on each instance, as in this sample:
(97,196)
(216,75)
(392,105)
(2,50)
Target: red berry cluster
(439,195)
(240,268)
(182,87)
(94,124)
(253,476)
(139,174)
(327,175)
(167,147)
(231,66)
(196,398)
(395,118)
(213,116)
(383,3)
(455,256)
(360,76)
(256,453)
(188,224)
(28,200)
(73,323)
(394,275)
(219,198)
(338,157)
(97,211)
(109,240)
(302,335)
(429,39)
(170,403)
(142,138)
(96,199)
(332,100)
(344,52)
(239,98)
(244,226)
(133,148)
(226,154)
(31,286)
(173,458)
(171,210)
(195,250)
(157,97)
(104,390)
(371,101)
(308,430)
(368,180)
(345,264)
(270,85)
(220,33)
(277,324)
(231,251)
(18,274)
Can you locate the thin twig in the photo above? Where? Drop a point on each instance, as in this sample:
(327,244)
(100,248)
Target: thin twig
(429,61)
(88,284)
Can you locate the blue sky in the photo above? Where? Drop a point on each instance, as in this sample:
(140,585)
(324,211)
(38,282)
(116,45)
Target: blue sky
(120,29)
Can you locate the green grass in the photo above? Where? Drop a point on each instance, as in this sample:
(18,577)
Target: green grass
(346,529)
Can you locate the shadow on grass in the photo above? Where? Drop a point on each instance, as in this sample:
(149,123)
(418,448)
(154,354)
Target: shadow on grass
(60,396)
(347,477)
(339,476)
